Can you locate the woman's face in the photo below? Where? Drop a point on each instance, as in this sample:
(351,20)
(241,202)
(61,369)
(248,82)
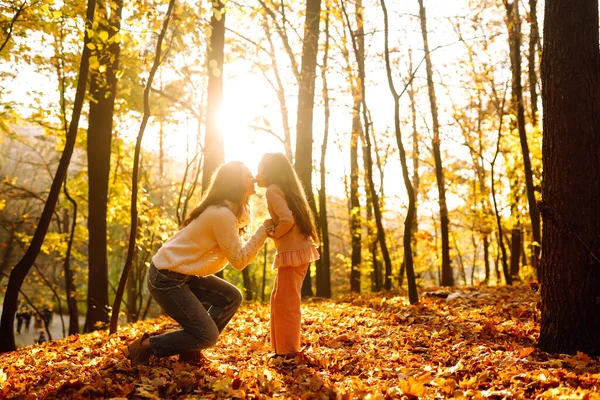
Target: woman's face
(260,177)
(248,181)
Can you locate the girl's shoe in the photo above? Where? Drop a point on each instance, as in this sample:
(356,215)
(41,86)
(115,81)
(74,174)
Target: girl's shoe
(194,357)
(137,353)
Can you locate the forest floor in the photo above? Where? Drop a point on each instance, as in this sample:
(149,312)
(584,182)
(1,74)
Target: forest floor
(477,343)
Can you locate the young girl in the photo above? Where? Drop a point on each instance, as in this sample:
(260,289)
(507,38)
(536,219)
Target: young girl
(294,234)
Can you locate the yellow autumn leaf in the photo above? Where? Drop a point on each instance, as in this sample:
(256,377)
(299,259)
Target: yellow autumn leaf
(223,384)
(412,387)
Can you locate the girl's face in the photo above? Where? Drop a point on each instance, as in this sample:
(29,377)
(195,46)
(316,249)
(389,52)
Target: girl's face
(248,181)
(260,177)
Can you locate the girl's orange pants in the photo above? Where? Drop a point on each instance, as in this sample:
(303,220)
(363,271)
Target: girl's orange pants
(285,309)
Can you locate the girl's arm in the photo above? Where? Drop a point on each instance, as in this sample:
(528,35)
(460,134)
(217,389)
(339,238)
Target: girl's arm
(226,233)
(276,199)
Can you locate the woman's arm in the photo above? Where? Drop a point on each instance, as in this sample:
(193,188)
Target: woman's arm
(276,199)
(239,255)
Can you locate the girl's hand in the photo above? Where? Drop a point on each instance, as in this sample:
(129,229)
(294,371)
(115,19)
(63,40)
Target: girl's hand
(270,225)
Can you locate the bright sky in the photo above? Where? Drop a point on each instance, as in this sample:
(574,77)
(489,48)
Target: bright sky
(247,95)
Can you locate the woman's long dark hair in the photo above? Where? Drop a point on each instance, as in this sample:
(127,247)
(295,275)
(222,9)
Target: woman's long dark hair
(277,169)
(226,184)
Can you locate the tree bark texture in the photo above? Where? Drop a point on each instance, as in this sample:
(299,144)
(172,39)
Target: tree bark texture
(103,92)
(570,277)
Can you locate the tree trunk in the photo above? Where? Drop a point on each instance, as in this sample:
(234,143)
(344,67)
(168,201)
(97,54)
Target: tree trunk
(248,287)
(357,131)
(447,277)
(534,38)
(515,253)
(214,150)
(415,157)
(514,38)
(501,247)
(70,289)
(486,258)
(324,278)
(408,222)
(306,99)
(570,276)
(114,319)
(20,271)
(103,91)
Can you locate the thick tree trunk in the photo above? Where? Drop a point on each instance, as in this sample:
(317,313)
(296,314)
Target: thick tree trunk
(570,206)
(306,100)
(447,276)
(248,287)
(514,38)
(103,91)
(114,319)
(20,271)
(214,150)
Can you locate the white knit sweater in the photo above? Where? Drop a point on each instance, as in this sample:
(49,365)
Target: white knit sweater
(205,245)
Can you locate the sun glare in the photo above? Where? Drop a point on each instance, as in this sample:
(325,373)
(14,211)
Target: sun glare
(245,103)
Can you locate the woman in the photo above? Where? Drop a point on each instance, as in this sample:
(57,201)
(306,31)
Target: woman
(181,277)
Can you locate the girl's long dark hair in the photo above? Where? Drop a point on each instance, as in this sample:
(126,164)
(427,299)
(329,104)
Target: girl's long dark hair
(226,184)
(277,169)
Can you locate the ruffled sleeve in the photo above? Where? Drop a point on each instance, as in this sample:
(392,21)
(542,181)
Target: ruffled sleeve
(224,225)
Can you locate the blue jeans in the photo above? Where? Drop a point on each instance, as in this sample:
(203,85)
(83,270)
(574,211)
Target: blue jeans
(202,305)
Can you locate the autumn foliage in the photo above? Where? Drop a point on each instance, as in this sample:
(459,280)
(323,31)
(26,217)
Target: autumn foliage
(474,343)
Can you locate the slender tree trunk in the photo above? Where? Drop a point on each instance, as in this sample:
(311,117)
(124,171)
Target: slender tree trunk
(486,258)
(70,288)
(514,37)
(114,319)
(20,271)
(570,277)
(515,253)
(357,131)
(447,276)
(214,150)
(103,87)
(324,278)
(306,99)
(415,157)
(281,96)
(501,246)
(534,38)
(264,275)
(408,222)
